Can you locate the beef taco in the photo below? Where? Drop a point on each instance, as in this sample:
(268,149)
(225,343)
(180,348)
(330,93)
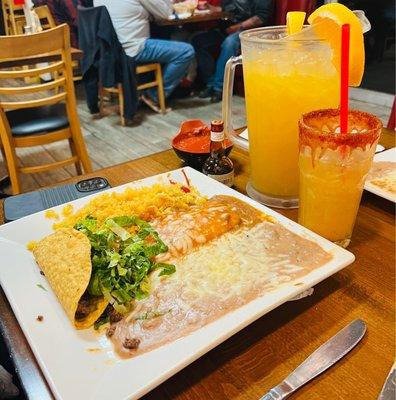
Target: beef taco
(65,259)
(97,269)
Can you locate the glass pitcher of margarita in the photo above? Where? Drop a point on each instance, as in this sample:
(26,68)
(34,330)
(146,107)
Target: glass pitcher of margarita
(284,77)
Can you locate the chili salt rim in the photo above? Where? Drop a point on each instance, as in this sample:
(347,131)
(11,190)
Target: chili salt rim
(316,137)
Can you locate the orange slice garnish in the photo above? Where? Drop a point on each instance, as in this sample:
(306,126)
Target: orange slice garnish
(294,22)
(327,21)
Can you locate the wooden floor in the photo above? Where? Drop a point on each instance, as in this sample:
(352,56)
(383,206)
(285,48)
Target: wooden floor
(109,143)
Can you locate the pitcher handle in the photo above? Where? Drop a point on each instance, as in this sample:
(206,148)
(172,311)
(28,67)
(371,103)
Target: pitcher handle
(228,89)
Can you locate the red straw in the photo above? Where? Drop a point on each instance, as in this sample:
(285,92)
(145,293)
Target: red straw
(345,33)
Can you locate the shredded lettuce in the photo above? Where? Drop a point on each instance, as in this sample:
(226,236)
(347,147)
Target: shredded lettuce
(122,254)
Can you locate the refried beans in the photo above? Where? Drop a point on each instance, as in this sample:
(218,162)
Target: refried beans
(245,258)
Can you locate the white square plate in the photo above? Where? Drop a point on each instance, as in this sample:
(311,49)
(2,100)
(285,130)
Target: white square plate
(387,155)
(81,364)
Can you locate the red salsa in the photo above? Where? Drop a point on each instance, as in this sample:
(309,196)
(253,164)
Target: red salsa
(197,141)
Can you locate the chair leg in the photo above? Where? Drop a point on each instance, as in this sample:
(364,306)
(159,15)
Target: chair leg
(9,154)
(11,162)
(80,148)
(160,89)
(74,153)
(121,103)
(101,101)
(4,180)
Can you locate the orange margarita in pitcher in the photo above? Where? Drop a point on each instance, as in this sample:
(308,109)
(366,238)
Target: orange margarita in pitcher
(283,81)
(288,71)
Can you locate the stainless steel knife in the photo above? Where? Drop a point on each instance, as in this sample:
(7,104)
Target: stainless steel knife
(388,392)
(321,359)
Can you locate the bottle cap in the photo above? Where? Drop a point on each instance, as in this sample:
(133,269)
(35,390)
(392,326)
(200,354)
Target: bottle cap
(217,131)
(217,125)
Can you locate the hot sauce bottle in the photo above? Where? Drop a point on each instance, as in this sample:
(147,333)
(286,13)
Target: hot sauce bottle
(218,166)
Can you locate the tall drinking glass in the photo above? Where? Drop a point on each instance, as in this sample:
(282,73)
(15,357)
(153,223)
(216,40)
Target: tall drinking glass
(284,78)
(333,167)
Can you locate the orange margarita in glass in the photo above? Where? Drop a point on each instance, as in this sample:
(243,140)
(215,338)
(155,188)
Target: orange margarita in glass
(333,167)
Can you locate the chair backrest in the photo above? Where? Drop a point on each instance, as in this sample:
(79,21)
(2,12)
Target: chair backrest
(11,15)
(46,18)
(20,47)
(44,15)
(282,7)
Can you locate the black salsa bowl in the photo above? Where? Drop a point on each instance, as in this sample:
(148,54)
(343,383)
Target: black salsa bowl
(192,143)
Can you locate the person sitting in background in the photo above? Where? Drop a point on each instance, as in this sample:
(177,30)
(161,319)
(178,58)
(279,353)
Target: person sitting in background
(186,34)
(247,14)
(64,11)
(131,20)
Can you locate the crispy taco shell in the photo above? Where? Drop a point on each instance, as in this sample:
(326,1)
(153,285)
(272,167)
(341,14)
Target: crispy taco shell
(65,259)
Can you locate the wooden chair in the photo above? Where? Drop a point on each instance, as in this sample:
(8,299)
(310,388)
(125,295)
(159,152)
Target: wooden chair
(44,120)
(140,69)
(46,20)
(12,15)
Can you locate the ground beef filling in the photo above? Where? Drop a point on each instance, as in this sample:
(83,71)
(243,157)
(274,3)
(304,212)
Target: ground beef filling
(85,306)
(110,331)
(131,344)
(114,316)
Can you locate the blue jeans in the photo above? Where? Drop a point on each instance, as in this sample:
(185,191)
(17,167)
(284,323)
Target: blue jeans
(229,48)
(175,58)
(206,45)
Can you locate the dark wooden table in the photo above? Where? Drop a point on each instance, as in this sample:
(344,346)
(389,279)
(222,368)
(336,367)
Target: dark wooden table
(198,17)
(260,356)
(76,54)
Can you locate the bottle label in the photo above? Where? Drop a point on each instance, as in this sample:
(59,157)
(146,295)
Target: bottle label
(226,179)
(217,136)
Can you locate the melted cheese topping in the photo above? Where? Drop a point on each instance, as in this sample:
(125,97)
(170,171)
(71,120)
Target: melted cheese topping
(183,231)
(215,279)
